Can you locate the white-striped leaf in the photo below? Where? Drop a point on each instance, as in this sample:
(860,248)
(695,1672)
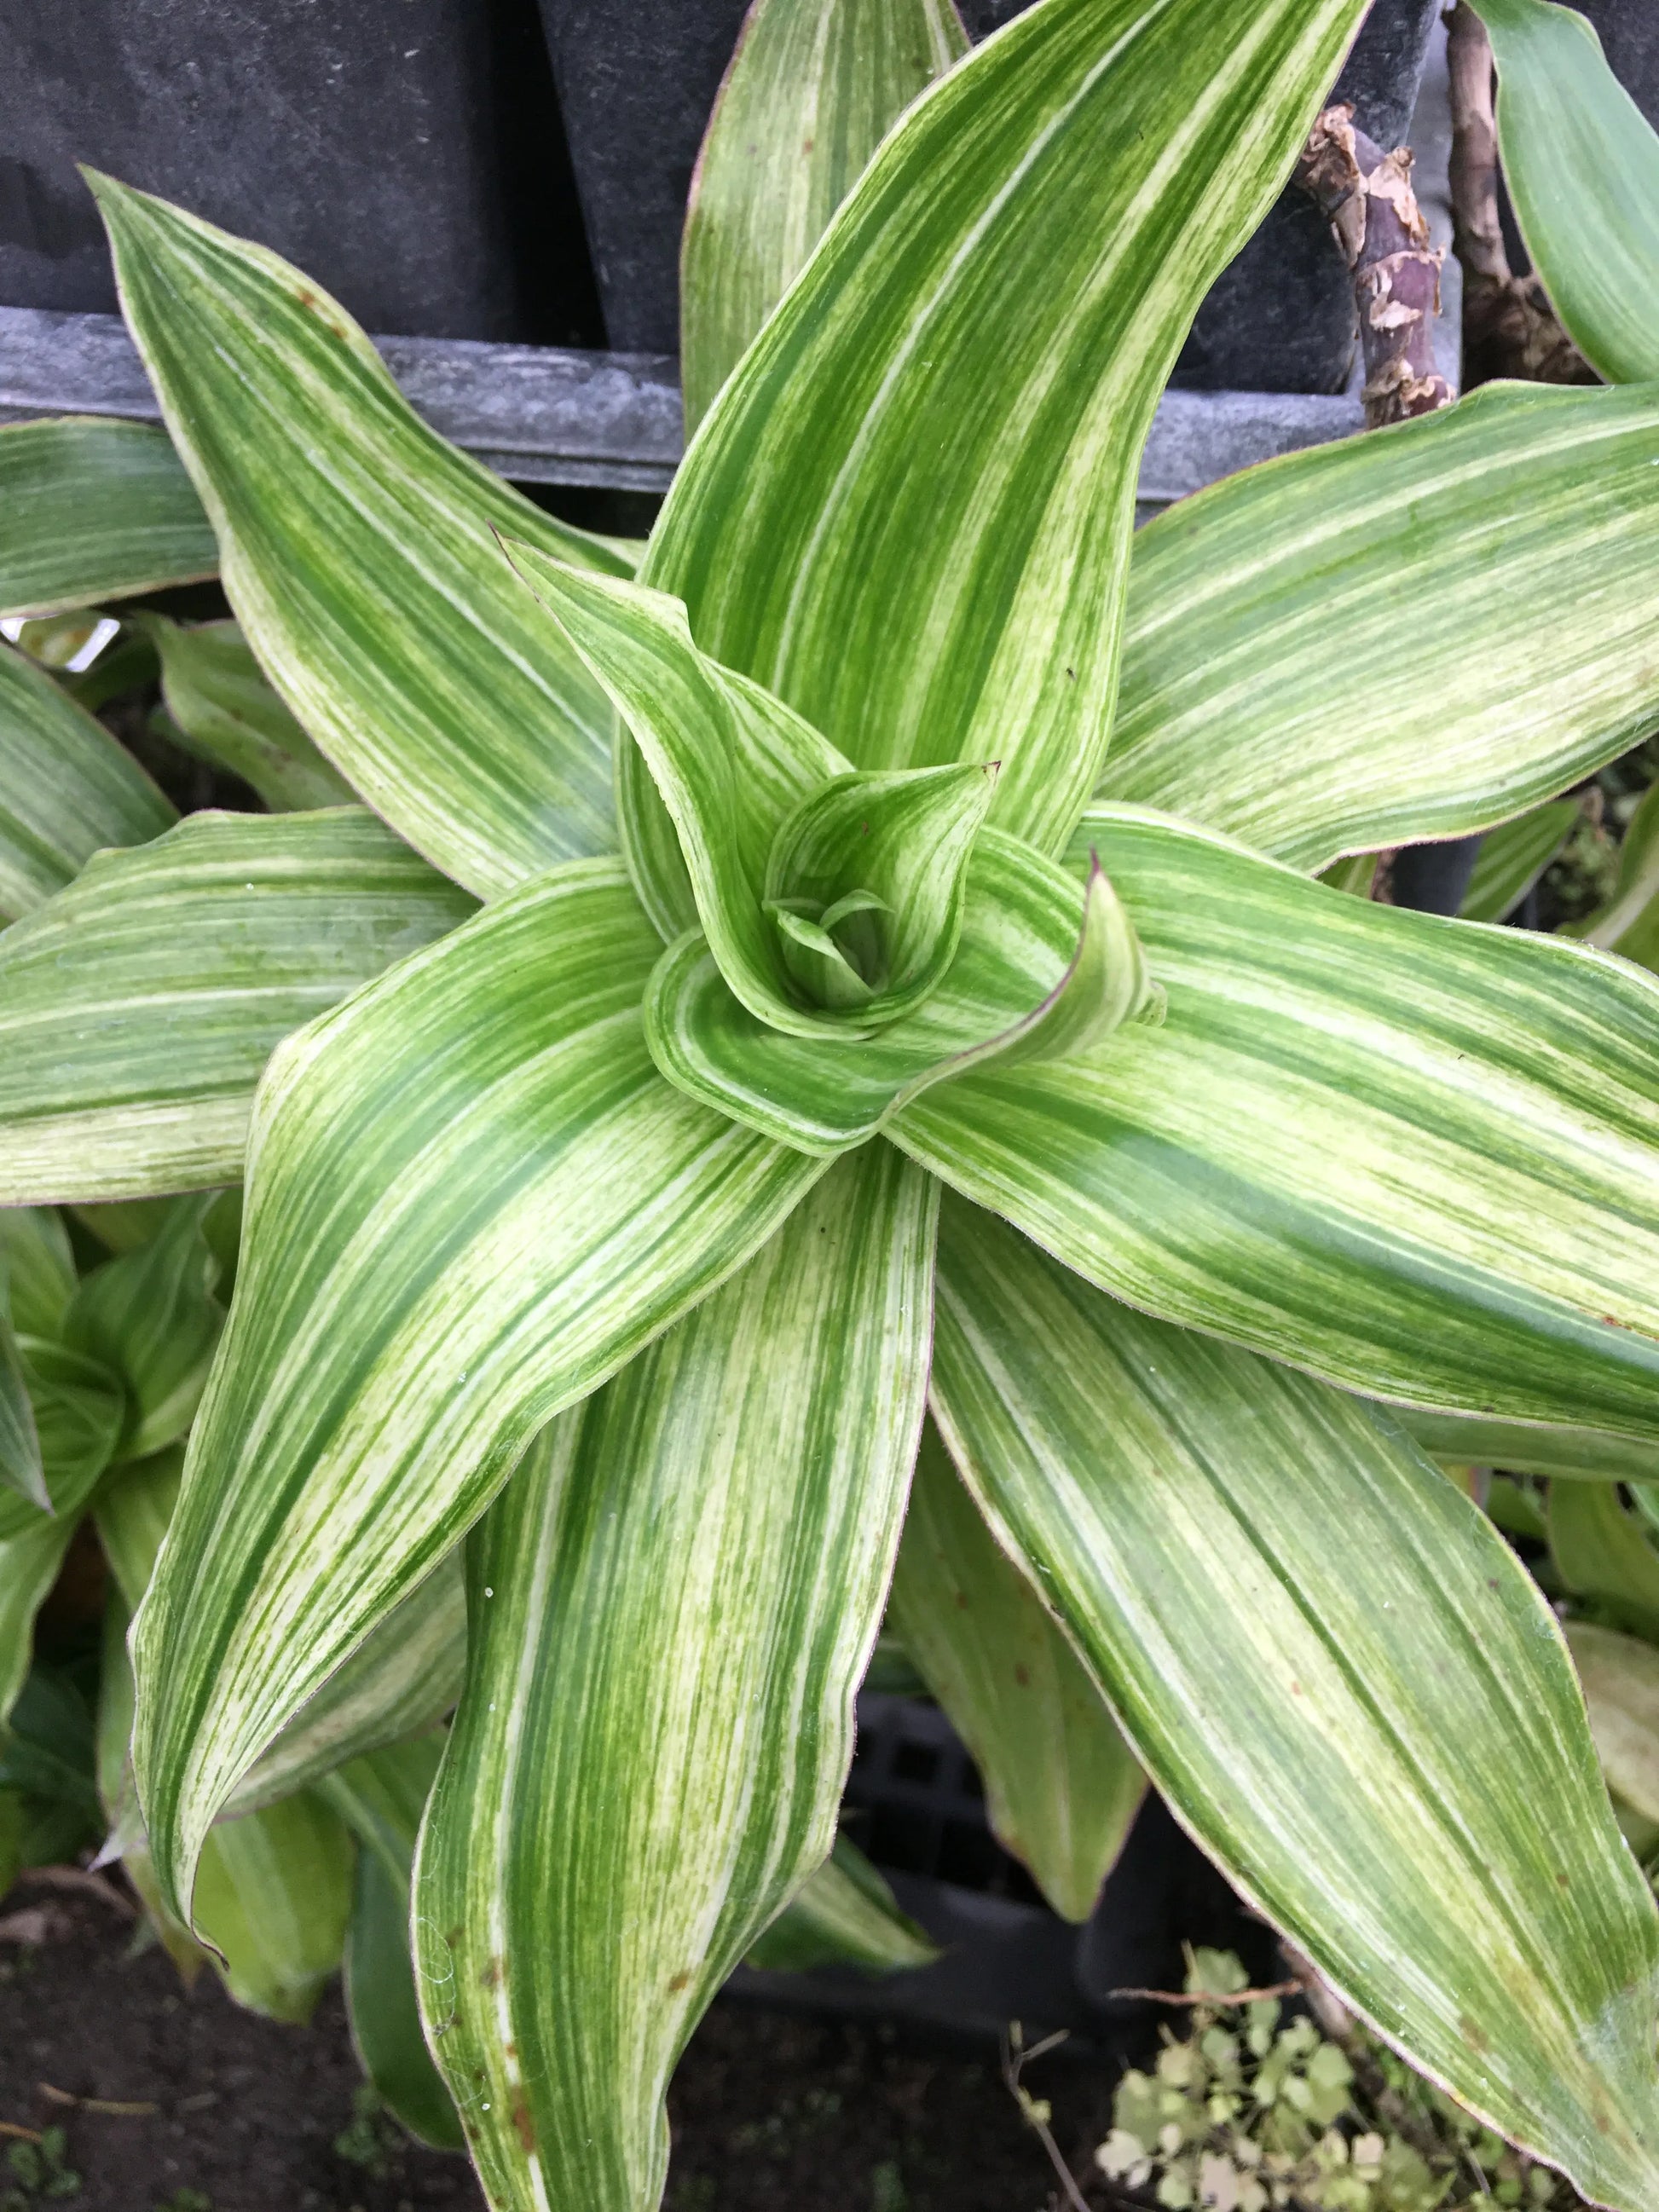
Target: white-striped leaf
(34,1248)
(1413,1155)
(66,788)
(1515,537)
(138,1008)
(1341,1678)
(381,1797)
(471,1198)
(1581,163)
(358,551)
(1514,855)
(1061,1786)
(20,1468)
(844,1914)
(908,513)
(220,707)
(1530,1448)
(672,1607)
(95,510)
(1619,1677)
(400,1681)
(812,89)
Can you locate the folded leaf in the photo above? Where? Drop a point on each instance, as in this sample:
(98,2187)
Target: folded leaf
(814,87)
(273,1898)
(1043,967)
(843,1915)
(223,708)
(671,1606)
(399,1682)
(1344,1681)
(1061,1786)
(151,1319)
(79,1410)
(1619,1677)
(471,1198)
(1582,164)
(1513,856)
(1410,1154)
(95,510)
(20,1469)
(66,788)
(381,1798)
(358,552)
(908,513)
(1514,537)
(138,1008)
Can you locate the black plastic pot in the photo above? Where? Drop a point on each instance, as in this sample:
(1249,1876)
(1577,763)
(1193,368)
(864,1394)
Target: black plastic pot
(405,153)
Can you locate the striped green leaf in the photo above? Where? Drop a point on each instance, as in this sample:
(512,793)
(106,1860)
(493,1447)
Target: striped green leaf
(1601,1551)
(814,87)
(20,1468)
(1528,1447)
(400,1681)
(471,1198)
(95,510)
(32,1550)
(273,1898)
(381,1797)
(151,1317)
(358,551)
(1043,967)
(138,1008)
(908,513)
(80,1411)
(1515,535)
(1413,1155)
(34,1248)
(1619,1677)
(220,707)
(1581,163)
(1389,1758)
(66,788)
(1513,856)
(843,1915)
(672,1605)
(1061,1786)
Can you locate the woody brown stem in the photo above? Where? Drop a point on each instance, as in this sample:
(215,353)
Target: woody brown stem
(1367,195)
(1510,328)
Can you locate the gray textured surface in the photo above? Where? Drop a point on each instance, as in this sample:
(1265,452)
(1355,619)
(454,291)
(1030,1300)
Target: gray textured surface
(539,415)
(367,140)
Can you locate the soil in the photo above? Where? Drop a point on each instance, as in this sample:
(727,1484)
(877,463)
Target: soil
(769,2111)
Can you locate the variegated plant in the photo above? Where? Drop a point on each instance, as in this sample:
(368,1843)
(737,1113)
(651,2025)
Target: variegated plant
(847,1036)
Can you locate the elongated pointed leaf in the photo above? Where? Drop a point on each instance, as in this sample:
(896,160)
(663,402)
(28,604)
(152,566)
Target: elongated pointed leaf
(1629,923)
(150,1318)
(1619,1677)
(843,1915)
(32,1551)
(66,788)
(1528,1447)
(39,1267)
(125,1838)
(671,1606)
(132,1513)
(358,552)
(79,1410)
(94,509)
(811,92)
(223,708)
(138,1008)
(1513,856)
(1515,538)
(1061,1786)
(1345,1684)
(381,1798)
(472,1197)
(401,1680)
(908,513)
(1413,1155)
(1581,163)
(273,1898)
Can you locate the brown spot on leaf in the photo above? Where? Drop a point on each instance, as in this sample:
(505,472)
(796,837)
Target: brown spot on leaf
(526,2126)
(962,1600)
(1022,1674)
(491,1976)
(1473,2033)
(679,1981)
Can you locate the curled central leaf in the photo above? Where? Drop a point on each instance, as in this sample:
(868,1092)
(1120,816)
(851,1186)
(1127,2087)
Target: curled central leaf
(866,883)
